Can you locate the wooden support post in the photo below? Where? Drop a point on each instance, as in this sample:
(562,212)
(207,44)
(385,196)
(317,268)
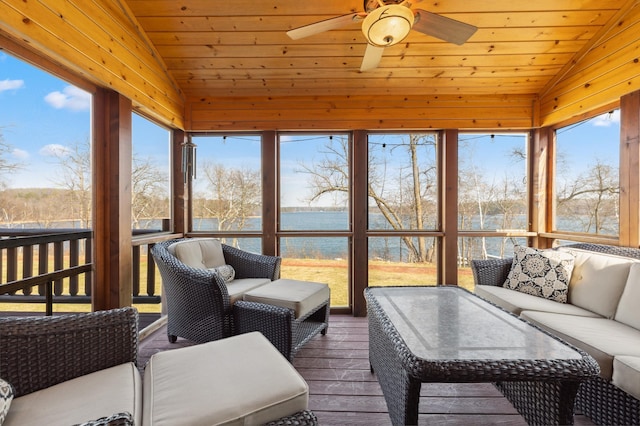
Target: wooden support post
(448,162)
(269,193)
(112,156)
(181,213)
(630,170)
(360,193)
(540,191)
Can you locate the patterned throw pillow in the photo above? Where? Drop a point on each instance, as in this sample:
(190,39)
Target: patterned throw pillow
(6,396)
(542,273)
(226,272)
(118,419)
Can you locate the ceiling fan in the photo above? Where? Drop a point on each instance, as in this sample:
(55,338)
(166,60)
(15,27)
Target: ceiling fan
(388,22)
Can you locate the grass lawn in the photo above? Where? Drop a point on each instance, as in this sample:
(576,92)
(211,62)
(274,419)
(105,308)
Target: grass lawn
(381,273)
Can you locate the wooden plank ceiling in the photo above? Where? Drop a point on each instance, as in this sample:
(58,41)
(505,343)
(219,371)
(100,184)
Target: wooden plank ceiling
(240,48)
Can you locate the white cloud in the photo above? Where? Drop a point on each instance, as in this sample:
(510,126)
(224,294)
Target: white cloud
(54,150)
(20,154)
(607,119)
(70,98)
(11,84)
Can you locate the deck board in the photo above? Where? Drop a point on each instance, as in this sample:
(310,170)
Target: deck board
(343,391)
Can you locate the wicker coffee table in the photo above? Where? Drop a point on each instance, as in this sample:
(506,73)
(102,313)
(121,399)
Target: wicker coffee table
(447,334)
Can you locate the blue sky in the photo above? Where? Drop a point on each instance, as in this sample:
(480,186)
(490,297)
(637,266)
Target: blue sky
(41,114)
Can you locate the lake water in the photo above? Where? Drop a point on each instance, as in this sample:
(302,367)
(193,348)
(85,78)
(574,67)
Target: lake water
(380,248)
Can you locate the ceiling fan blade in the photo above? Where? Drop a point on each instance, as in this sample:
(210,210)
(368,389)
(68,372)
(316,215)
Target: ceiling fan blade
(372,57)
(441,27)
(322,26)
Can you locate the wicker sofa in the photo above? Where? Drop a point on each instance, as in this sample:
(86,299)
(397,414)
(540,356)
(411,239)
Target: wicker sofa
(81,369)
(202,306)
(601,317)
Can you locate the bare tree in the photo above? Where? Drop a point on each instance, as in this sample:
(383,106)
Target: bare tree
(406,201)
(232,195)
(6,165)
(488,200)
(7,213)
(75,176)
(149,198)
(592,198)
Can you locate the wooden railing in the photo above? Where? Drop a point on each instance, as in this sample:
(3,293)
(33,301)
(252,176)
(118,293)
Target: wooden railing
(55,267)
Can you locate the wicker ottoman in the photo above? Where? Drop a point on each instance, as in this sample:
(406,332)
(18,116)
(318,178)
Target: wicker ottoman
(300,311)
(238,380)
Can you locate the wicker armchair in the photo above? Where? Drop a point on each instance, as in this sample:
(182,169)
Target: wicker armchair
(39,352)
(72,346)
(198,305)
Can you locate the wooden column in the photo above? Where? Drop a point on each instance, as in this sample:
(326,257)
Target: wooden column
(630,170)
(359,214)
(448,161)
(181,209)
(269,193)
(112,254)
(540,192)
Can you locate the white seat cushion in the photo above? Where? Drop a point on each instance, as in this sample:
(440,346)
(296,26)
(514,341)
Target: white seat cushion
(626,374)
(103,393)
(516,302)
(237,288)
(601,338)
(301,296)
(240,380)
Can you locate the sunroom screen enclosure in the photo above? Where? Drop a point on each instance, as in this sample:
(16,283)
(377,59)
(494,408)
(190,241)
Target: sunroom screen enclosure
(195,68)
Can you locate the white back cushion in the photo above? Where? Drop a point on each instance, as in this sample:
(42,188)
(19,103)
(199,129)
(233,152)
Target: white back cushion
(203,253)
(212,255)
(598,280)
(628,309)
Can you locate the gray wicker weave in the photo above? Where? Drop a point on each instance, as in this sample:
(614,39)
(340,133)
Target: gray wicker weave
(38,352)
(302,418)
(197,300)
(597,398)
(287,333)
(436,323)
(198,307)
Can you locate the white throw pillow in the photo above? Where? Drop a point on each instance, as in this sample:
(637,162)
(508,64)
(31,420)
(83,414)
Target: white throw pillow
(542,273)
(226,272)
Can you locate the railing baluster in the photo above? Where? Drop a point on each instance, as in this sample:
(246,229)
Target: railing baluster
(43,264)
(73,261)
(151,272)
(136,270)
(27,266)
(12,264)
(58,264)
(88,258)
(49,299)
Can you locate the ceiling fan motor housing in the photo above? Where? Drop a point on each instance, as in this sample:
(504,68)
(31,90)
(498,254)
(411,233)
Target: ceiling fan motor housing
(387,25)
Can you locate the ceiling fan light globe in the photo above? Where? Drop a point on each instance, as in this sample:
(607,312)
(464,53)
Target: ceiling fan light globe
(387,25)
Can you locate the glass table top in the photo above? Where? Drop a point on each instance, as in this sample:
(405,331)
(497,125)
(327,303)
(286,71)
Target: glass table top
(445,323)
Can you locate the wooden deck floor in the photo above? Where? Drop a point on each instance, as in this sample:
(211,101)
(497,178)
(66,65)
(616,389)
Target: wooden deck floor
(344,392)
